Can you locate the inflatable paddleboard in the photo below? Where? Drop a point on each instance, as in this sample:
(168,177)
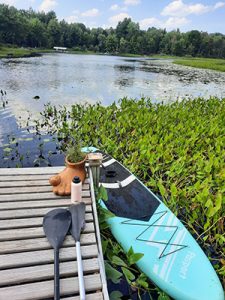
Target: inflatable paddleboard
(172,258)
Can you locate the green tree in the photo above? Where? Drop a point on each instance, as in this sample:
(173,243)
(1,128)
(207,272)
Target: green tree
(37,36)
(53,30)
(194,39)
(112,43)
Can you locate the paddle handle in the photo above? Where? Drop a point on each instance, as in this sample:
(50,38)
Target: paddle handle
(56,272)
(80,272)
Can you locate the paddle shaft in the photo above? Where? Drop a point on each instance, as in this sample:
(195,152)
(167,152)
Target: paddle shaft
(56,276)
(80,272)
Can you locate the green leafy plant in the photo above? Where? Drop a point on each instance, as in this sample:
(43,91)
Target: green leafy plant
(176,149)
(74,153)
(118,263)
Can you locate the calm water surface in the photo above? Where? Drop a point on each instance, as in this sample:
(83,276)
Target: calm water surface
(67,79)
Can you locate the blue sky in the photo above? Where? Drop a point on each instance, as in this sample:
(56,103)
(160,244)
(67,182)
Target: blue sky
(205,15)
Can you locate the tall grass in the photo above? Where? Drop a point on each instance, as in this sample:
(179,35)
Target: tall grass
(177,150)
(203,63)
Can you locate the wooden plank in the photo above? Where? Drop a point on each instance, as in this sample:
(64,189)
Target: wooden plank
(32,232)
(33,189)
(31,196)
(27,213)
(94,296)
(15,246)
(12,183)
(40,257)
(26,257)
(44,272)
(24,177)
(44,289)
(22,223)
(36,177)
(36,196)
(28,183)
(35,204)
(31,171)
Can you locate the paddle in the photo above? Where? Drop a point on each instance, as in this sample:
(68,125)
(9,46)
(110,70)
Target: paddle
(56,224)
(78,222)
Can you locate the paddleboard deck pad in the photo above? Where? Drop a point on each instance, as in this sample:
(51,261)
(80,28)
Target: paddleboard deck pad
(172,258)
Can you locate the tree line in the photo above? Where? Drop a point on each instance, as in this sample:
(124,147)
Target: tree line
(28,28)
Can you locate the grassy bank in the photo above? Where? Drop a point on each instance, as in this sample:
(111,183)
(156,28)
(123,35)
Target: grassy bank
(6,51)
(203,63)
(177,150)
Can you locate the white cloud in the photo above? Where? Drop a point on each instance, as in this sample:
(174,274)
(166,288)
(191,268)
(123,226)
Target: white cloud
(149,22)
(175,22)
(178,8)
(132,2)
(78,16)
(94,12)
(219,5)
(48,5)
(114,7)
(115,19)
(71,19)
(27,3)
(8,2)
(170,23)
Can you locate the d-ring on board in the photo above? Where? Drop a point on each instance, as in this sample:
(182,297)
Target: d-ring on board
(120,184)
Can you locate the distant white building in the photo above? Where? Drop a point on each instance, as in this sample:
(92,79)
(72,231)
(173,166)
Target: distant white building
(60,49)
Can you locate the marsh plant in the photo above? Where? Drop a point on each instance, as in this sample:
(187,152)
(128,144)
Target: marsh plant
(176,149)
(74,153)
(119,265)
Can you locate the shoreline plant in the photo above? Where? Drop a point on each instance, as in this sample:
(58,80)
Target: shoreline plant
(176,149)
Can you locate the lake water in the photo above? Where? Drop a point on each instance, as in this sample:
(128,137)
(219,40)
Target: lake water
(67,79)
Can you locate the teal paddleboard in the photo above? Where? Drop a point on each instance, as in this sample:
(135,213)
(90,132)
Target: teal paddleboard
(172,258)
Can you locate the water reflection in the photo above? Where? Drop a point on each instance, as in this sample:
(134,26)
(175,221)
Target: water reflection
(124,68)
(124,82)
(184,74)
(67,79)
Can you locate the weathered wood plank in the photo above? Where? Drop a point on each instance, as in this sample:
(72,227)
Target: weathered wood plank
(94,296)
(36,196)
(33,189)
(33,258)
(32,232)
(31,171)
(37,177)
(43,272)
(35,204)
(12,183)
(23,223)
(27,213)
(16,246)
(31,183)
(43,290)
(26,257)
(31,196)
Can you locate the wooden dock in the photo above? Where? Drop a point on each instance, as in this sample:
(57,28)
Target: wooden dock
(26,257)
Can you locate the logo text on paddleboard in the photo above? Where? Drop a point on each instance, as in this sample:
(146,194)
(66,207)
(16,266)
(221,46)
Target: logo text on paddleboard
(186,263)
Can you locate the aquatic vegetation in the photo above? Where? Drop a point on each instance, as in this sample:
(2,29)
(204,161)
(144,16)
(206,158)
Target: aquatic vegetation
(13,51)
(176,149)
(203,63)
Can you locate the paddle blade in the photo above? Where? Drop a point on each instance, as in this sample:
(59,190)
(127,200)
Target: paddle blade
(56,224)
(78,219)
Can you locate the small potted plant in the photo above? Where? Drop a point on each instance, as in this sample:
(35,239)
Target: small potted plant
(75,159)
(75,166)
